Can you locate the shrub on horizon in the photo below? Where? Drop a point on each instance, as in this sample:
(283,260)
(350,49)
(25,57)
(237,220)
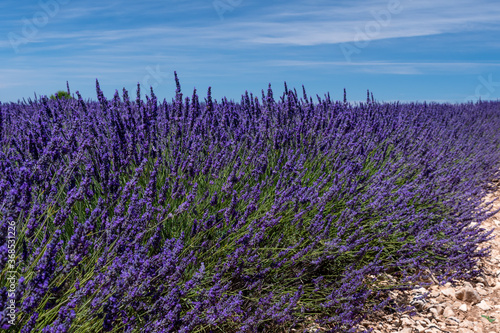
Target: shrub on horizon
(61,94)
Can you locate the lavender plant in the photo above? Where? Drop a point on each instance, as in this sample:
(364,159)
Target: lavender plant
(190,216)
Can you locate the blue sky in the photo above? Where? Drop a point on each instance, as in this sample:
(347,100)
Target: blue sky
(399,49)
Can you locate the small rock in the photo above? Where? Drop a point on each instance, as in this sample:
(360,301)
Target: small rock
(449,292)
(482,292)
(406,322)
(463,308)
(432,329)
(464,330)
(468,294)
(478,326)
(420,290)
(406,330)
(491,281)
(484,306)
(448,312)
(419,304)
(420,328)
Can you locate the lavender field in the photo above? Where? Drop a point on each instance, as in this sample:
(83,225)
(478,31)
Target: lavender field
(141,215)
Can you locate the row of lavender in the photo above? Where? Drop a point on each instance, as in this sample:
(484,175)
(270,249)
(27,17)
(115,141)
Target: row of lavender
(186,216)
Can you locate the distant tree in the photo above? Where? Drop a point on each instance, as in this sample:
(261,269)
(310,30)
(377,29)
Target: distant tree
(61,94)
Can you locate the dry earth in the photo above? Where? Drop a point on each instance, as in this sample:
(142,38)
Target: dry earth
(469,307)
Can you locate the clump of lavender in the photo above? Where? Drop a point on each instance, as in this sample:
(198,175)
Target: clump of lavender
(189,215)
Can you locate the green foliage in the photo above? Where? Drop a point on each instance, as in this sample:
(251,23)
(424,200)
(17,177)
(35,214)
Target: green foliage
(488,318)
(60,95)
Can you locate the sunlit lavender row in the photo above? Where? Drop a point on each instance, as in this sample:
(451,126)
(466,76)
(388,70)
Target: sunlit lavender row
(220,216)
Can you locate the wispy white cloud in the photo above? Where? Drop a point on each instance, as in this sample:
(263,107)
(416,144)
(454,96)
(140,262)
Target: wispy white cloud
(76,12)
(294,26)
(334,24)
(403,68)
(382,63)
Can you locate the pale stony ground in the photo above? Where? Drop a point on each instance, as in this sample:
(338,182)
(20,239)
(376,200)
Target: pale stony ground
(447,308)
